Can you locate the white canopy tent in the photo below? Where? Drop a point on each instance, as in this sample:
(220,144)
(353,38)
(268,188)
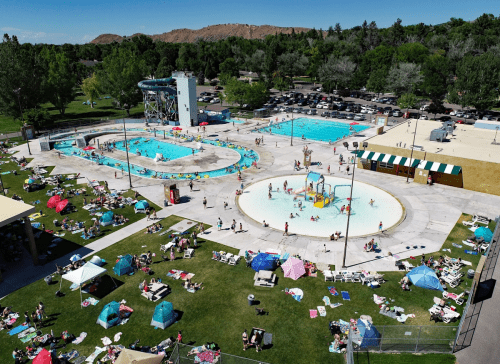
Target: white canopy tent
(84,274)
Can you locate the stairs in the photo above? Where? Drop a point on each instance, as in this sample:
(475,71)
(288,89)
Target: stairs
(81,143)
(44,145)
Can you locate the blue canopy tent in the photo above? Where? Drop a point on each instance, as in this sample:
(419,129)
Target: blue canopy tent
(124,266)
(263,261)
(485,233)
(164,315)
(369,334)
(141,206)
(110,315)
(106,219)
(424,277)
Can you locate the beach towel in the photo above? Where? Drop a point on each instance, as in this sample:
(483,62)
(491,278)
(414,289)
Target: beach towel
(313,313)
(467,243)
(456,245)
(59,235)
(326,300)
(8,172)
(35,216)
(334,305)
(77,231)
(117,337)
(26,332)
(471,252)
(345,296)
(322,310)
(28,337)
(16,330)
(80,338)
(94,355)
(333,291)
(36,225)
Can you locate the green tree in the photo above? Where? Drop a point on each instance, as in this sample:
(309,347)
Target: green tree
(377,81)
(230,67)
(279,82)
(39,118)
(91,88)
(164,69)
(292,64)
(61,80)
(437,75)
(338,71)
(255,62)
(122,71)
(407,101)
(236,91)
(256,94)
(436,107)
(201,78)
(412,53)
(403,78)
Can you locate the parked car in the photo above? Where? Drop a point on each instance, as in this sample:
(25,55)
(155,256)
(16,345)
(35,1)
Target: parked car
(304,111)
(289,109)
(325,114)
(311,112)
(359,117)
(218,87)
(424,108)
(297,110)
(488,117)
(302,102)
(350,116)
(341,116)
(423,117)
(289,102)
(207,99)
(444,118)
(282,108)
(388,112)
(247,106)
(397,113)
(215,100)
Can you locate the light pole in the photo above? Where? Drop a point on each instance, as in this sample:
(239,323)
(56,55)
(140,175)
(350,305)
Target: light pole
(411,155)
(495,140)
(355,144)
(17,91)
(291,136)
(126,151)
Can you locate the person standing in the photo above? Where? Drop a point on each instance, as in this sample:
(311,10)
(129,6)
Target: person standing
(244,336)
(347,169)
(41,307)
(115,174)
(286,229)
(219,224)
(172,254)
(334,150)
(225,205)
(205,203)
(191,185)
(329,169)
(270,188)
(179,337)
(241,228)
(380,226)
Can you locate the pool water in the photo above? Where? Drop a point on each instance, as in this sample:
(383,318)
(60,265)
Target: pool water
(234,121)
(149,147)
(247,156)
(365,218)
(321,130)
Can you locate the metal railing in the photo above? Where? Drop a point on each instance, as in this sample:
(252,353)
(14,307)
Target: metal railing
(180,356)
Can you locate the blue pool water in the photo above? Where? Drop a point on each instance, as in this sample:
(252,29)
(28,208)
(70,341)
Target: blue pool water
(235,121)
(247,156)
(321,130)
(148,148)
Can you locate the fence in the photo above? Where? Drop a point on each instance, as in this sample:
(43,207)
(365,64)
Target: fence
(180,356)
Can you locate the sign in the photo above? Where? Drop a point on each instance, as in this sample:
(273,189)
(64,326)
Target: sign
(381,120)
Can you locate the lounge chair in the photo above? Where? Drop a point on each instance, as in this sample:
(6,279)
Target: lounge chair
(445,313)
(356,277)
(453,296)
(451,281)
(328,275)
(224,258)
(234,260)
(338,277)
(188,253)
(481,219)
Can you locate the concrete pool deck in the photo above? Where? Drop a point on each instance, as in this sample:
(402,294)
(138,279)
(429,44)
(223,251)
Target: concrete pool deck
(431,212)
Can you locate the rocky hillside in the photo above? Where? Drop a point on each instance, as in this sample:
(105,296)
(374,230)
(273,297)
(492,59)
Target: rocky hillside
(210,33)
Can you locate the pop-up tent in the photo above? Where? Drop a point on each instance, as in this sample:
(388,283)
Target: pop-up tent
(485,233)
(141,206)
(369,334)
(110,315)
(164,315)
(263,261)
(61,205)
(53,201)
(423,276)
(128,356)
(124,266)
(106,219)
(293,268)
(43,357)
(84,274)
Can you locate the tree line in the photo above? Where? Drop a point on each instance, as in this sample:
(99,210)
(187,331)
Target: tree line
(458,61)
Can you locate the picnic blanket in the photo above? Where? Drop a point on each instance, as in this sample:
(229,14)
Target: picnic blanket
(94,355)
(26,332)
(456,245)
(16,330)
(345,296)
(334,305)
(207,356)
(35,216)
(322,310)
(179,274)
(90,301)
(313,313)
(326,300)
(333,291)
(296,293)
(80,338)
(28,337)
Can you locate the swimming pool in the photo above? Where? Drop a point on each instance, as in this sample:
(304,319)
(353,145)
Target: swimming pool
(148,147)
(321,130)
(235,121)
(247,157)
(365,218)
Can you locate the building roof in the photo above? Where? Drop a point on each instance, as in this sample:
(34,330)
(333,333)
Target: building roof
(11,210)
(466,141)
(215,107)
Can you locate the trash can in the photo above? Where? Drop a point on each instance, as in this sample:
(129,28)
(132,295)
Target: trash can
(470,273)
(165,202)
(48,280)
(251,299)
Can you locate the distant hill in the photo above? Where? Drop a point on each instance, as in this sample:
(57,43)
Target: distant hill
(210,33)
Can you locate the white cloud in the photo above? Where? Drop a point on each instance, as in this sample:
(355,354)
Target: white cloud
(9,29)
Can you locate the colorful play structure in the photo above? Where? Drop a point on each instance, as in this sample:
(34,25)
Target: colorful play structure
(320,197)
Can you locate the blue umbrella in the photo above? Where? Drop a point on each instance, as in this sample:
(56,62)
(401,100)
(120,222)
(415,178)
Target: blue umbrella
(75,258)
(425,277)
(263,261)
(485,233)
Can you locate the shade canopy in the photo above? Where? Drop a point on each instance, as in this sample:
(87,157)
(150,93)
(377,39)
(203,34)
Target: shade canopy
(314,176)
(84,274)
(369,334)
(107,217)
(124,266)
(128,356)
(53,201)
(164,315)
(293,268)
(204,123)
(263,261)
(43,357)
(75,258)
(61,205)
(142,204)
(425,277)
(485,233)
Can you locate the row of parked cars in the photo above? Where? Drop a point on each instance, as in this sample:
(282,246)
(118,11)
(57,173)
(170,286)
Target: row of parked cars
(208,97)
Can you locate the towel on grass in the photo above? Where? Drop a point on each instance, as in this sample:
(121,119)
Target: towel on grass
(80,338)
(456,245)
(36,225)
(313,313)
(16,330)
(345,296)
(326,300)
(333,291)
(334,305)
(94,355)
(463,241)
(471,252)
(28,337)
(322,310)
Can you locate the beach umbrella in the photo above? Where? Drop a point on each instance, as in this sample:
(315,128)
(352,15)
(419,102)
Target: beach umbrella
(53,201)
(485,233)
(61,205)
(75,258)
(204,123)
(263,261)
(425,277)
(293,268)
(29,181)
(354,123)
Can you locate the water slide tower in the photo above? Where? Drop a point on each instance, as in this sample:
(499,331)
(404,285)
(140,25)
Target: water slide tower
(186,98)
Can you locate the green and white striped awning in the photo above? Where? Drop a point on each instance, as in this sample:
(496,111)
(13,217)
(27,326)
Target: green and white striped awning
(387,158)
(440,167)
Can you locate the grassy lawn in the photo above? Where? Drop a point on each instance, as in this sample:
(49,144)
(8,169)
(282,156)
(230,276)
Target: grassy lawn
(77,111)
(371,358)
(14,185)
(220,311)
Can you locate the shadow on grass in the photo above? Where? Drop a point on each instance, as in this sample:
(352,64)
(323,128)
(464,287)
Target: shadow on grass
(106,286)
(45,243)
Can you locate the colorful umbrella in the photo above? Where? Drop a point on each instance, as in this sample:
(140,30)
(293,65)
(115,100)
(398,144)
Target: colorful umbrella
(75,258)
(61,205)
(204,123)
(293,268)
(354,123)
(176,128)
(53,201)
(88,148)
(423,276)
(485,233)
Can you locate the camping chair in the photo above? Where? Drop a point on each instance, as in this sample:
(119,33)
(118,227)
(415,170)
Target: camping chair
(328,275)
(452,281)
(379,278)
(481,219)
(188,253)
(234,260)
(453,296)
(408,266)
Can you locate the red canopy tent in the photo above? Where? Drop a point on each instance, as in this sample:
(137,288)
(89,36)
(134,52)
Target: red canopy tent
(88,148)
(204,123)
(43,357)
(53,201)
(61,205)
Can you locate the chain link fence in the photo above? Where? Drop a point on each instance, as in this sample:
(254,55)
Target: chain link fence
(180,356)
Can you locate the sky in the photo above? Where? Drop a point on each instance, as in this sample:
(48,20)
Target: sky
(59,22)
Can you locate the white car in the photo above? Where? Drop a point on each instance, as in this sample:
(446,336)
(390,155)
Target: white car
(214,101)
(200,99)
(453,113)
(424,108)
(371,111)
(459,114)
(423,117)
(359,117)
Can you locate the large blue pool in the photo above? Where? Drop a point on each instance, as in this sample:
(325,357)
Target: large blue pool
(321,130)
(149,147)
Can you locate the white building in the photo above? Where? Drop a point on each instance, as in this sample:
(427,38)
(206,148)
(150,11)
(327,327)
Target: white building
(186,97)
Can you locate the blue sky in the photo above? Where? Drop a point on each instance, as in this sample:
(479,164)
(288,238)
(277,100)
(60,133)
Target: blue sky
(58,22)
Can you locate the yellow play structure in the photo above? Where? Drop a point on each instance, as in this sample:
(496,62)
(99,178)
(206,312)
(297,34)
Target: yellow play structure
(320,197)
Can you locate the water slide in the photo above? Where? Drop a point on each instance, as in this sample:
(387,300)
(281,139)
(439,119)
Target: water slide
(299,190)
(160,84)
